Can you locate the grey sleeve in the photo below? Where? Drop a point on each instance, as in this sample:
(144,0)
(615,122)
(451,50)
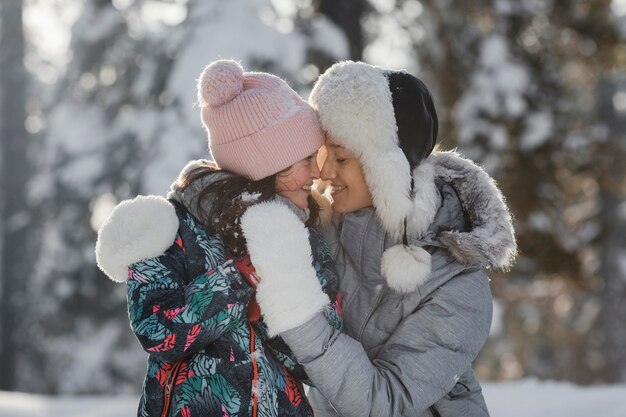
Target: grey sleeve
(419,363)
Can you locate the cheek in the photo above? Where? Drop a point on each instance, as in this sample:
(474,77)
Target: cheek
(359,195)
(303,175)
(295,180)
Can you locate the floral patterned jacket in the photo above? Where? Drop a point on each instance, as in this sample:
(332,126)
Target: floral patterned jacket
(188,308)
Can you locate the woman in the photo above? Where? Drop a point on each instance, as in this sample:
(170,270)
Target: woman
(416,231)
(191,287)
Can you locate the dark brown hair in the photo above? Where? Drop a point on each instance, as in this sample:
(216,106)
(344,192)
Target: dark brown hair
(227,203)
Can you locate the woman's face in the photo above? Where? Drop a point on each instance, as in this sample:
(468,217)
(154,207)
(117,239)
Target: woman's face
(343,170)
(295,182)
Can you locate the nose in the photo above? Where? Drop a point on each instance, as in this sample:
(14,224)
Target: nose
(328,170)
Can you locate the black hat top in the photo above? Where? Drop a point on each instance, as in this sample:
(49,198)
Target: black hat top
(415,116)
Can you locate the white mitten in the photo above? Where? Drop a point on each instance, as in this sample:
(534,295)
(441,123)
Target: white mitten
(289,293)
(141,228)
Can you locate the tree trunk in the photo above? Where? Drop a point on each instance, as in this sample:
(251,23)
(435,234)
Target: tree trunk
(613,218)
(347,15)
(14,173)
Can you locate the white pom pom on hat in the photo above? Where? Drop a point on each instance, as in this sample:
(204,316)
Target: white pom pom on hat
(220,82)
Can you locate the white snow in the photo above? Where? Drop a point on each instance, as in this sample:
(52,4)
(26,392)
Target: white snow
(47,24)
(225,23)
(538,128)
(248,197)
(530,398)
(171,14)
(99,26)
(523,398)
(619,7)
(619,102)
(102,207)
(328,37)
(391,46)
(498,89)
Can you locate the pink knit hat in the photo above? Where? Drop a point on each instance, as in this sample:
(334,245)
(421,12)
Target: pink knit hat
(257,124)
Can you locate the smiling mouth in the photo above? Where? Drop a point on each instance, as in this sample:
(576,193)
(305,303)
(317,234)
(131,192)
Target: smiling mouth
(337,188)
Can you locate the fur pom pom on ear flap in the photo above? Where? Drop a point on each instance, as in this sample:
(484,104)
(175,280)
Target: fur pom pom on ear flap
(405,267)
(141,228)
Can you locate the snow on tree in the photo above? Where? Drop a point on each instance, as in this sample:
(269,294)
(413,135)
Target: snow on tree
(516,81)
(515,84)
(122,121)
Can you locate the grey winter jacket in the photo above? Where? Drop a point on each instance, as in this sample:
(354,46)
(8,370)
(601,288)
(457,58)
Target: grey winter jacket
(411,354)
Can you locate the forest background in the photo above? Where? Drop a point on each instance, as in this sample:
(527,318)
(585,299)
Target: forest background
(97,106)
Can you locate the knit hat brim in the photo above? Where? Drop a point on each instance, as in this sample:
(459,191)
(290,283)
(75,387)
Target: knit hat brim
(296,136)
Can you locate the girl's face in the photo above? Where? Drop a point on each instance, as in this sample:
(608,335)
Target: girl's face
(343,170)
(295,182)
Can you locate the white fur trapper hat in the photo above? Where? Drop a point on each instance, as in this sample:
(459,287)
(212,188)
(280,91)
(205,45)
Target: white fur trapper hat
(388,120)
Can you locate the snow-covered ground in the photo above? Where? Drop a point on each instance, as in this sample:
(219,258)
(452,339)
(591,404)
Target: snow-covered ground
(525,398)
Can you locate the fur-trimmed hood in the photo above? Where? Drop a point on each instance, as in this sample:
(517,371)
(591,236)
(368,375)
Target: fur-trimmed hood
(490,238)
(466,214)
(189,196)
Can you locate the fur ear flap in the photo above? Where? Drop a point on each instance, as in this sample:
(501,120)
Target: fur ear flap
(405,267)
(425,199)
(137,229)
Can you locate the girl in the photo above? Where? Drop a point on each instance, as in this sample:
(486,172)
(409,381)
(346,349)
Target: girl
(191,288)
(416,230)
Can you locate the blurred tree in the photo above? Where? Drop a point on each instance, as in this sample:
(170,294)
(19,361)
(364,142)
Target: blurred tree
(104,116)
(122,122)
(347,15)
(612,111)
(16,249)
(514,83)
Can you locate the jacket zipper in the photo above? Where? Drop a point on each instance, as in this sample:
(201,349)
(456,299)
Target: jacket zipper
(168,389)
(379,297)
(255,375)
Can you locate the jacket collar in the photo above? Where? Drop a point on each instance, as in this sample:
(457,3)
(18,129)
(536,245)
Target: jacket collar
(489,240)
(363,238)
(468,215)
